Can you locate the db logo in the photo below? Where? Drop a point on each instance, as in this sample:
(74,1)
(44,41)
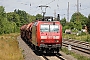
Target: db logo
(49,37)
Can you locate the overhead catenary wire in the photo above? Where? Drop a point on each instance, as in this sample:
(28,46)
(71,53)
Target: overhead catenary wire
(45,4)
(50,2)
(63,9)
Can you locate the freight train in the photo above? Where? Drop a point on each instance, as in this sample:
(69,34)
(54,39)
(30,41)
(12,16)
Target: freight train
(44,35)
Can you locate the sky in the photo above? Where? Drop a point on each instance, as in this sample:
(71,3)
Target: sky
(55,6)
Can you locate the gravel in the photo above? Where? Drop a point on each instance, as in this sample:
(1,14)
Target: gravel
(27,51)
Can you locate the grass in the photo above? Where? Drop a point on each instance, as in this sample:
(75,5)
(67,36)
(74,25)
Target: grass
(9,49)
(85,38)
(77,56)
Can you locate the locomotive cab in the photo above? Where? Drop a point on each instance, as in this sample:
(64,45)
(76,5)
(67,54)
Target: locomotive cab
(47,35)
(50,36)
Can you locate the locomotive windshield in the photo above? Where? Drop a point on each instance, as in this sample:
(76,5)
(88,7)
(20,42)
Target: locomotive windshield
(49,28)
(44,28)
(54,28)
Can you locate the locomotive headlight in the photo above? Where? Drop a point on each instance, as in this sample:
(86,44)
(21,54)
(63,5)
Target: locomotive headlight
(42,40)
(43,37)
(55,37)
(57,40)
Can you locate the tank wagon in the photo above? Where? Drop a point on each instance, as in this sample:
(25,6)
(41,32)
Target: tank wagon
(45,36)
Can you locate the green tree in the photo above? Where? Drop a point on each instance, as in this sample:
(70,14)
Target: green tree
(2,10)
(2,19)
(63,21)
(10,22)
(23,16)
(12,17)
(39,16)
(79,20)
(70,25)
(88,23)
(77,25)
(79,17)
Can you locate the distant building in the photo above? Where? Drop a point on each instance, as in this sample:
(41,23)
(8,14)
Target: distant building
(84,29)
(68,31)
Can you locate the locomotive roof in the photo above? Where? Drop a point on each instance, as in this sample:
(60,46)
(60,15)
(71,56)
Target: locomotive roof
(46,22)
(48,17)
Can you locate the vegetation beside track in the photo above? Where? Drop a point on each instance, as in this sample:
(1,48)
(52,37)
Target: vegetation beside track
(85,37)
(9,49)
(75,55)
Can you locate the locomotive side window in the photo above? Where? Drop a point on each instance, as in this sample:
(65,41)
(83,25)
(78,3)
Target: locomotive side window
(44,28)
(54,28)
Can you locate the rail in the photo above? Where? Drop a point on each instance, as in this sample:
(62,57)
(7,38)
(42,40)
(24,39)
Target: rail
(77,45)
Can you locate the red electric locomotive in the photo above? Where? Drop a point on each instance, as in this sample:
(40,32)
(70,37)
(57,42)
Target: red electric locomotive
(45,36)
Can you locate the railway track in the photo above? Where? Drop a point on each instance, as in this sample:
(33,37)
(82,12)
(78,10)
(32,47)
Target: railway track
(60,57)
(53,57)
(47,56)
(81,46)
